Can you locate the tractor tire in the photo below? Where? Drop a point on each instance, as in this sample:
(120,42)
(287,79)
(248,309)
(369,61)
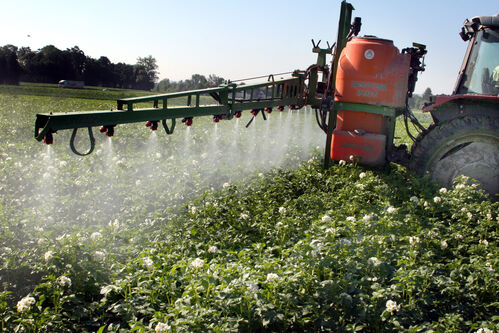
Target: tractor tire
(463,146)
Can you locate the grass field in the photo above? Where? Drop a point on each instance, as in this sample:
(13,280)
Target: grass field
(224,228)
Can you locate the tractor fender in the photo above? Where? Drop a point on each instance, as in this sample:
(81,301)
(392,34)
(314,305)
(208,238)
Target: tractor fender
(444,108)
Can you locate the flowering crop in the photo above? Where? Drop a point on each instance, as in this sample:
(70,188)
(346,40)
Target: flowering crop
(155,234)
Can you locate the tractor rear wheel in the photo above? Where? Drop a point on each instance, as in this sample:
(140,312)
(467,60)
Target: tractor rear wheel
(463,146)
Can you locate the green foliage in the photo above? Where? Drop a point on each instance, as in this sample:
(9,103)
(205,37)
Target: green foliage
(292,249)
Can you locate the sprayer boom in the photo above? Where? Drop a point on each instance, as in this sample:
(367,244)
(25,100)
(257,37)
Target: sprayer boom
(223,102)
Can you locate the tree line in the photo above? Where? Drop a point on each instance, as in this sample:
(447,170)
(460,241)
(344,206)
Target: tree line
(50,65)
(197,81)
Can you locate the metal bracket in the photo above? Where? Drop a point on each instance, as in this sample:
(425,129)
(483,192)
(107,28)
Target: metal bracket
(92,142)
(168,130)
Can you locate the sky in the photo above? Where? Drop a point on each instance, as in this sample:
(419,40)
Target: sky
(238,39)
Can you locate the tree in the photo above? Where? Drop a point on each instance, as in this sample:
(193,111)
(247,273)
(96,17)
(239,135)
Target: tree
(10,71)
(124,75)
(215,81)
(426,94)
(78,60)
(145,72)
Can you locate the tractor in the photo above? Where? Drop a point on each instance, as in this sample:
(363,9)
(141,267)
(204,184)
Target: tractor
(357,98)
(464,139)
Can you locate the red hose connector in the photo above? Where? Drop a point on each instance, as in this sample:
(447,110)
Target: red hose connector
(109,130)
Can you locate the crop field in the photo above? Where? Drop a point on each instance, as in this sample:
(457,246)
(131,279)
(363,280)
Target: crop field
(223,228)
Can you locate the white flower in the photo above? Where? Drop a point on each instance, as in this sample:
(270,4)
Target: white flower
(443,190)
(414,199)
(426,204)
(212,249)
(253,287)
(25,303)
(444,245)
(362,175)
(244,216)
(99,255)
(367,218)
(64,281)
(361,186)
(342,163)
(489,267)
(489,216)
(484,330)
(351,157)
(48,255)
(470,215)
(272,276)
(260,175)
(114,224)
(484,242)
(137,182)
(351,218)
(193,210)
(391,210)
(162,327)
(326,219)
(282,210)
(413,240)
(345,242)
(374,261)
(61,237)
(316,244)
(331,231)
(460,186)
(391,306)
(197,263)
(225,185)
(459,236)
(147,263)
(194,162)
(279,225)
(95,236)
(437,199)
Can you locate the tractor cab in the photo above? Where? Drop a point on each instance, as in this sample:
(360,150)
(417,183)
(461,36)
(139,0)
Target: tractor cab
(479,73)
(476,91)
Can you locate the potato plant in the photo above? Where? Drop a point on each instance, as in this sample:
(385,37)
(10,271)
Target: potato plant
(222,228)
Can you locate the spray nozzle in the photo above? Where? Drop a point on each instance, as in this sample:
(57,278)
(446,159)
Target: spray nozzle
(109,130)
(237,114)
(280,108)
(153,125)
(187,121)
(49,138)
(268,110)
(217,118)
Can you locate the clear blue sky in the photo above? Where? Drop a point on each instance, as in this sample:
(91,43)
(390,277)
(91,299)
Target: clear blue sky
(238,39)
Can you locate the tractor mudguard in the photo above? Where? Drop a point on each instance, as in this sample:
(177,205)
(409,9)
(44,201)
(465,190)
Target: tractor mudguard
(445,108)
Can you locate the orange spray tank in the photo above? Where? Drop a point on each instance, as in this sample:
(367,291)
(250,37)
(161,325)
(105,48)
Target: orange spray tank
(372,72)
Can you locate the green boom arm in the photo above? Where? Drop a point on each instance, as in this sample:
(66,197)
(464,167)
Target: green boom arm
(228,100)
